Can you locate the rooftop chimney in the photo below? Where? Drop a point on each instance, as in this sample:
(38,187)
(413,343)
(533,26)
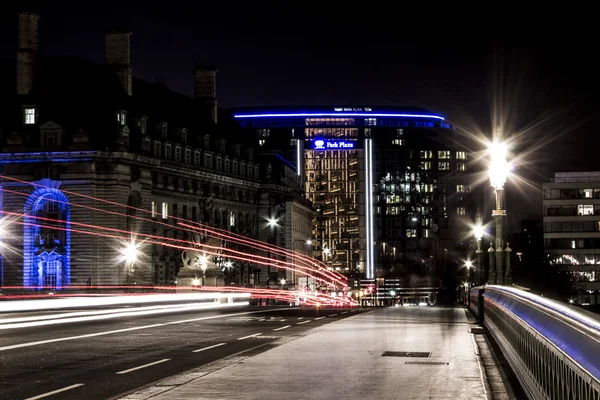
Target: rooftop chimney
(27,51)
(117,55)
(205,89)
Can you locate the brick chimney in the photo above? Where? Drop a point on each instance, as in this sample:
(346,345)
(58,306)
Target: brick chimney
(117,54)
(27,50)
(205,89)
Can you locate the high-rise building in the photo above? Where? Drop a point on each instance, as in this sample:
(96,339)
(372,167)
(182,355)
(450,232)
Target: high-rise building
(390,186)
(572,231)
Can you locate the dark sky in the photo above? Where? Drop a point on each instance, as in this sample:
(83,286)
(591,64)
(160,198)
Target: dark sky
(543,80)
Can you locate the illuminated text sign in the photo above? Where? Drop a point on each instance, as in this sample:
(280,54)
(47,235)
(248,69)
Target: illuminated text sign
(321,144)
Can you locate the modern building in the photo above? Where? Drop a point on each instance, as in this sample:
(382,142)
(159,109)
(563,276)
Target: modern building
(390,185)
(572,230)
(86,150)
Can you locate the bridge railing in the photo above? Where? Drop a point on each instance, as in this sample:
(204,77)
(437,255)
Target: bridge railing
(553,348)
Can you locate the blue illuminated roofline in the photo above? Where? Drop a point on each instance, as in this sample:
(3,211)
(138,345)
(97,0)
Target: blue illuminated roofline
(339,114)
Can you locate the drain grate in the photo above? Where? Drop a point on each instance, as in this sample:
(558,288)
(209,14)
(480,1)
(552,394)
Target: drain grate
(427,363)
(406,354)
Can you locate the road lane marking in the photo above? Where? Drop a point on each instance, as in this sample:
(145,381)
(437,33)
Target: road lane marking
(55,391)
(316,319)
(332,315)
(282,328)
(303,322)
(300,317)
(89,335)
(282,320)
(345,312)
(208,348)
(143,366)
(249,336)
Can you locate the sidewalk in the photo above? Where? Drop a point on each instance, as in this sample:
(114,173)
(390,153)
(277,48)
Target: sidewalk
(343,360)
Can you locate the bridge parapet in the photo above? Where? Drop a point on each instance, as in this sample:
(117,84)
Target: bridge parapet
(553,348)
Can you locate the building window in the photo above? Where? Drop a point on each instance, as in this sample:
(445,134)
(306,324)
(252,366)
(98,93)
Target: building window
(219,163)
(261,142)
(460,189)
(222,147)
(184,136)
(125,136)
(146,144)
(178,154)
(238,150)
(461,155)
(444,165)
(242,168)
(425,165)
(263,133)
(163,131)
(50,139)
(235,167)
(121,117)
(29,116)
(197,158)
(227,165)
(167,151)
(250,155)
(398,142)
(157,149)
(142,124)
(426,154)
(443,154)
(585,209)
(411,233)
(399,132)
(206,142)
(428,188)
(153,209)
(460,166)
(208,161)
(165,210)
(461,211)
(588,193)
(188,156)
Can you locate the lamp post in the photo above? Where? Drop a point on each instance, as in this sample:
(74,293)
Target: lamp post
(130,253)
(304,252)
(498,172)
(479,270)
(468,266)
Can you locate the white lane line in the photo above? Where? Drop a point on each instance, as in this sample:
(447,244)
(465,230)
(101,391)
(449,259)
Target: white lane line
(282,328)
(300,317)
(303,322)
(55,391)
(208,348)
(143,366)
(332,315)
(261,320)
(316,319)
(282,320)
(345,312)
(137,328)
(249,336)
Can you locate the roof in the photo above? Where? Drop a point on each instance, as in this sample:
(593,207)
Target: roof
(334,111)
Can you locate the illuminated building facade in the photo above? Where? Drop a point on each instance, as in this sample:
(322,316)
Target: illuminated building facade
(390,186)
(81,141)
(572,231)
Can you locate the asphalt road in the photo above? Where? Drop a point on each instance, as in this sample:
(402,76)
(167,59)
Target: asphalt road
(107,358)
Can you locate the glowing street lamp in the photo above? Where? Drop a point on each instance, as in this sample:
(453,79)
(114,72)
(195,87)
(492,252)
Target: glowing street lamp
(478,274)
(499,169)
(129,254)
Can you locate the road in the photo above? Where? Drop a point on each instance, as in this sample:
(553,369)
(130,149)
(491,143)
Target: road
(106,358)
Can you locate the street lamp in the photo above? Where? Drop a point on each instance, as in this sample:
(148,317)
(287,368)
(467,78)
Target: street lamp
(499,169)
(130,254)
(479,270)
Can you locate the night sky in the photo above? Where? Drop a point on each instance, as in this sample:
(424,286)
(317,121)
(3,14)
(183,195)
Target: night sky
(543,81)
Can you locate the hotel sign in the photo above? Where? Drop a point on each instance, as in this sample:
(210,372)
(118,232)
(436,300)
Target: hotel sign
(321,144)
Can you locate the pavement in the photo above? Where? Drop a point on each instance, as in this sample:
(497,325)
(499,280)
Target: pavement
(347,359)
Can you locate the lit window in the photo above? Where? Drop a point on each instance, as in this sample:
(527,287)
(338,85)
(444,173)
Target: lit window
(461,211)
(460,166)
(411,233)
(370,121)
(426,165)
(460,188)
(444,165)
(165,210)
(121,117)
(443,154)
(585,209)
(261,142)
(426,154)
(153,209)
(399,132)
(461,155)
(29,116)
(398,142)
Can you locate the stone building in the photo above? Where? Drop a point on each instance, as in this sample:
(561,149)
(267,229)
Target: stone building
(93,158)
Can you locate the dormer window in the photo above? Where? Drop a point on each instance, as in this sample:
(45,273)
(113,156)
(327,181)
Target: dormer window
(238,149)
(163,130)
(29,115)
(157,149)
(146,144)
(121,117)
(167,151)
(250,155)
(206,142)
(142,124)
(178,154)
(50,139)
(227,165)
(188,156)
(222,147)
(184,136)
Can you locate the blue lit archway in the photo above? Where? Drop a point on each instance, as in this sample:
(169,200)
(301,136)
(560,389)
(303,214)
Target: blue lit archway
(46,244)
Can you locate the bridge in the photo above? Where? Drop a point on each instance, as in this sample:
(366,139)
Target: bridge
(507,343)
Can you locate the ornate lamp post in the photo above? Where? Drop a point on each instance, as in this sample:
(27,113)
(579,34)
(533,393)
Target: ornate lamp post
(130,254)
(498,171)
(479,270)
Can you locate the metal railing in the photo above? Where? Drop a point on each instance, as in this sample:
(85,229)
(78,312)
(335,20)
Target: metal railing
(553,348)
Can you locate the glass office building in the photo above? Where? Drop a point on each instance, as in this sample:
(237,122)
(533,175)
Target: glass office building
(389,185)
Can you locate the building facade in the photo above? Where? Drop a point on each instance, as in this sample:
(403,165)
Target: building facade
(390,186)
(94,159)
(572,231)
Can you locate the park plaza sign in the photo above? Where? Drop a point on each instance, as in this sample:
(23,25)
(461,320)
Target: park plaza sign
(321,144)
